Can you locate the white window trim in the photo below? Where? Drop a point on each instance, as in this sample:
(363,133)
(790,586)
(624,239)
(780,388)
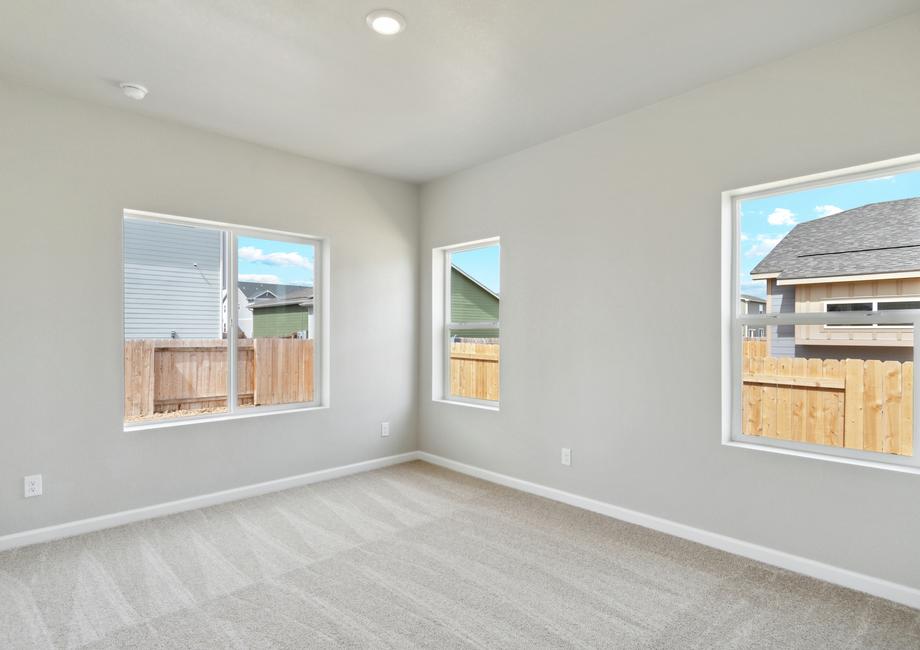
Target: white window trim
(732,320)
(441,326)
(321,286)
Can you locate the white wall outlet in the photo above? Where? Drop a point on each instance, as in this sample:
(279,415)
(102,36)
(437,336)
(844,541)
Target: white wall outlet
(33,485)
(566,456)
(384,429)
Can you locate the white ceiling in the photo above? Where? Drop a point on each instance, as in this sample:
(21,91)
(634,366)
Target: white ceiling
(469,80)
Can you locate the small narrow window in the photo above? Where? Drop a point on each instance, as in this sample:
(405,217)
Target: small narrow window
(471,330)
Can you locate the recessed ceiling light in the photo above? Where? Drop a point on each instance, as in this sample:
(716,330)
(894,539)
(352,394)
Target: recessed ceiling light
(386,22)
(134,91)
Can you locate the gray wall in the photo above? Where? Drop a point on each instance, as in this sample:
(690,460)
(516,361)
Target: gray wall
(164,291)
(782,337)
(630,208)
(67,171)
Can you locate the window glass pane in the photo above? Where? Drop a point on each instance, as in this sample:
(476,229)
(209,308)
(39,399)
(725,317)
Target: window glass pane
(174,348)
(797,247)
(474,364)
(899,305)
(858,395)
(474,285)
(473,350)
(850,306)
(276,322)
(888,306)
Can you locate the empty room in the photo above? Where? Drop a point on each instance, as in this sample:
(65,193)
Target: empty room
(459,324)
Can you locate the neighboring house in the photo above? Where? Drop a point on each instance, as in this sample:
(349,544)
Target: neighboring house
(472,301)
(863,259)
(172,281)
(753,305)
(278,309)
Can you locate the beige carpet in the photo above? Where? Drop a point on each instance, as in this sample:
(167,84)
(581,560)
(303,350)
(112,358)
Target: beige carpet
(417,556)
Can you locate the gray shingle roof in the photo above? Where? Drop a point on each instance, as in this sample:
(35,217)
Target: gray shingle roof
(282,291)
(875,238)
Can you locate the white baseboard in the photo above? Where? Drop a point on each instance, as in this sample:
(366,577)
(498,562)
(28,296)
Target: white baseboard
(81,526)
(844,577)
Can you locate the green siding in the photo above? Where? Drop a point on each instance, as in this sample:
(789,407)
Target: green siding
(469,303)
(283,320)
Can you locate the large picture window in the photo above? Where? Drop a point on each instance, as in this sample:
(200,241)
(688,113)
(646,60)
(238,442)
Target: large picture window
(471,329)
(827,366)
(218,320)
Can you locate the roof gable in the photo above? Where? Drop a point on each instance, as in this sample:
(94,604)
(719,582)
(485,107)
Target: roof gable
(874,238)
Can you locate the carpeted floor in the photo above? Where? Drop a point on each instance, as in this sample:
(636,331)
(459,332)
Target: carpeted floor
(418,556)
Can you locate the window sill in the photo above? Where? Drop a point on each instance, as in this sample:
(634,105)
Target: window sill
(904,469)
(168,424)
(474,405)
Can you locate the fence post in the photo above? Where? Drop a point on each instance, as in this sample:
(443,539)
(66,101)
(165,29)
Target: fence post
(139,371)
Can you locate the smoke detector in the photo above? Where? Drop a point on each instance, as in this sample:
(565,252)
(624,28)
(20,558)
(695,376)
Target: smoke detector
(134,91)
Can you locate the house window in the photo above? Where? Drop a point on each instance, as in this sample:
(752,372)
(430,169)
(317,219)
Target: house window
(827,368)
(874,305)
(470,329)
(218,320)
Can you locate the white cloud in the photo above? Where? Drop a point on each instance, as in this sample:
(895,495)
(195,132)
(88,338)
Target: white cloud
(744,236)
(755,288)
(268,278)
(763,245)
(781,217)
(827,210)
(253,254)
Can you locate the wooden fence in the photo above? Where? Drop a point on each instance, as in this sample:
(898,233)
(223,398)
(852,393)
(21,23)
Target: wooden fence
(474,370)
(855,404)
(754,348)
(167,375)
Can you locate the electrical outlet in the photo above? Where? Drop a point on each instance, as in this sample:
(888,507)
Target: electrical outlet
(384,429)
(33,485)
(566,456)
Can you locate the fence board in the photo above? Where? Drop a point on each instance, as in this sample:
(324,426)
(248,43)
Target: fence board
(891,411)
(872,405)
(907,409)
(138,378)
(834,406)
(769,400)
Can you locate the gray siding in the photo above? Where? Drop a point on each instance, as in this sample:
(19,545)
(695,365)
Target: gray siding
(782,338)
(164,292)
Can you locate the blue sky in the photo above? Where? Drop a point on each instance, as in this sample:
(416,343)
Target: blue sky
(481,264)
(275,262)
(764,222)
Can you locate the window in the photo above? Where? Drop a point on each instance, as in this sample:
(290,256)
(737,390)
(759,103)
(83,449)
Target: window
(827,367)
(188,285)
(469,329)
(874,305)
